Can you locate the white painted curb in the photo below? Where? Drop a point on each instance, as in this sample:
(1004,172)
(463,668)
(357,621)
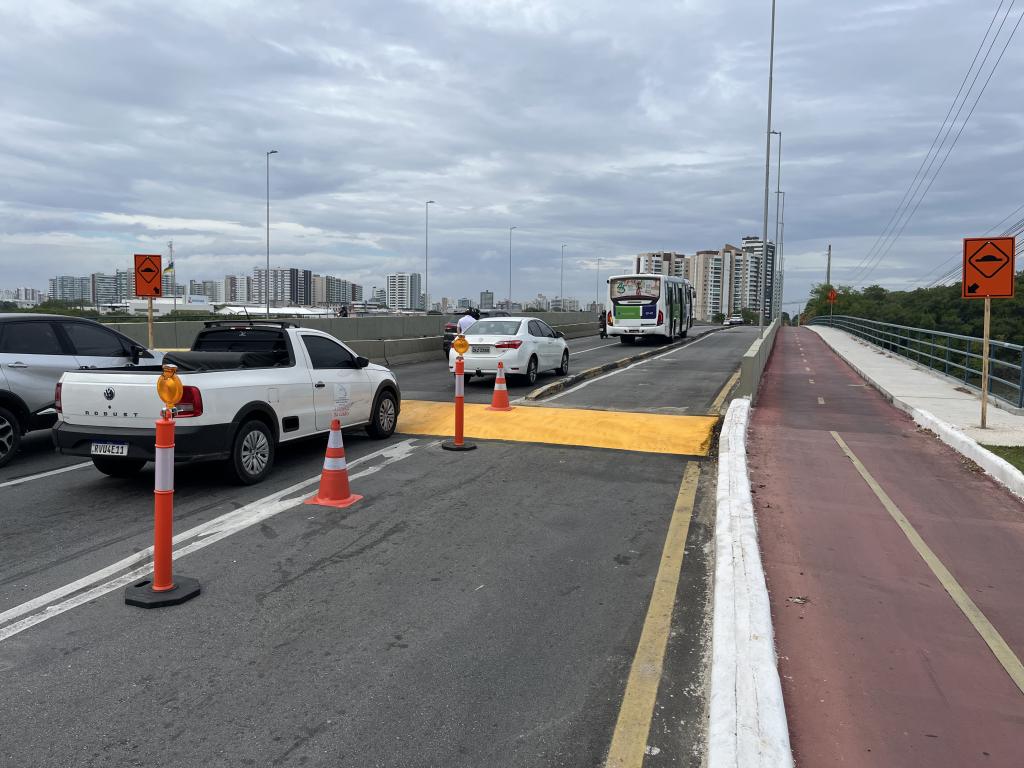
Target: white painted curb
(997,467)
(747,719)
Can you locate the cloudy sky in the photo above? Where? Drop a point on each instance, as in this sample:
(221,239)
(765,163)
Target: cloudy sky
(611,127)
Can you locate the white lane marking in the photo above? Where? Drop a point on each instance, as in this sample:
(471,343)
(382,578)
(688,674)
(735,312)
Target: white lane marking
(821,401)
(629,367)
(810,381)
(44,607)
(807,369)
(52,472)
(591,349)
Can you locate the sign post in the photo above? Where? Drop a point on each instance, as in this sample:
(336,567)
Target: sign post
(147,284)
(988,274)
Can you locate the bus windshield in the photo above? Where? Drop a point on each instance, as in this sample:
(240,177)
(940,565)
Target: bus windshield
(626,288)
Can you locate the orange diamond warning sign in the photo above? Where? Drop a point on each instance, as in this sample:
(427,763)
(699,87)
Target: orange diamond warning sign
(147,275)
(988,268)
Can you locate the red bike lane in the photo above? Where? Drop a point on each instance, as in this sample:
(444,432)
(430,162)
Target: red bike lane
(879,665)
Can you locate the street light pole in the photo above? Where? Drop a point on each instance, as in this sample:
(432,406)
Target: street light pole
(775,255)
(426,255)
(782,253)
(597,282)
(561,282)
(767,175)
(267,279)
(510,268)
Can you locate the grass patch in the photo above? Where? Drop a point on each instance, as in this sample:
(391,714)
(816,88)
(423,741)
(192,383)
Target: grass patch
(1012,453)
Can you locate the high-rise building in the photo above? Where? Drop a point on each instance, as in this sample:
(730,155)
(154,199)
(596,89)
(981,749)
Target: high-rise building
(280,287)
(300,287)
(103,289)
(214,291)
(466,302)
(486,299)
(169,287)
(404,291)
(195,288)
(237,289)
(379,296)
(747,284)
(70,288)
(125,284)
(711,272)
(661,263)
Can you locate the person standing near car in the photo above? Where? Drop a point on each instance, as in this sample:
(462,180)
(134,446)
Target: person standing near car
(468,319)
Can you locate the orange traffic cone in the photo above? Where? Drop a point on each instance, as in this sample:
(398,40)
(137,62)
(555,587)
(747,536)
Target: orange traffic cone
(334,490)
(500,400)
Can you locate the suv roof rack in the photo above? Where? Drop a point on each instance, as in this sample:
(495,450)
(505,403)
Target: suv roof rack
(250,323)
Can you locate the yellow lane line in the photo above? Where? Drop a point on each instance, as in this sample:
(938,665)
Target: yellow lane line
(716,405)
(629,739)
(618,430)
(1003,653)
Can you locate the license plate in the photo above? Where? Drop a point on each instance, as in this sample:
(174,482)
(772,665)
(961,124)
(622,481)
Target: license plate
(481,350)
(109,449)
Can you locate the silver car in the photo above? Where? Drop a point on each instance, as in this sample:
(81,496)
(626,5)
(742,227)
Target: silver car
(35,350)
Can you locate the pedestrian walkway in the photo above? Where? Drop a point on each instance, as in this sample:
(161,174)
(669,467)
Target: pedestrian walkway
(894,573)
(918,387)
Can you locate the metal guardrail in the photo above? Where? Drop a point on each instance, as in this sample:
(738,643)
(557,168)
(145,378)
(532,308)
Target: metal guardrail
(949,353)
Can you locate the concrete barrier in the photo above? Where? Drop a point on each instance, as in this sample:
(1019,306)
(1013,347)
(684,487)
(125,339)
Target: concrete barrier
(754,361)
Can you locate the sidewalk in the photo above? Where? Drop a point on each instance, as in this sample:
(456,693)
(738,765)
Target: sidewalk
(877,541)
(918,387)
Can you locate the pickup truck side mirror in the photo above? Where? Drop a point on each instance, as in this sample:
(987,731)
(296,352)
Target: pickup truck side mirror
(137,353)
(362,362)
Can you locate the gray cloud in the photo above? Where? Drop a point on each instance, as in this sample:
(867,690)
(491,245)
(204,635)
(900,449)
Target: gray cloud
(613,129)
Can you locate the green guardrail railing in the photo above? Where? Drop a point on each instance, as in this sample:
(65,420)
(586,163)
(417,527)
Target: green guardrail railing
(949,353)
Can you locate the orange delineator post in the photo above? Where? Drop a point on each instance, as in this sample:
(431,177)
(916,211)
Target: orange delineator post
(162,589)
(163,505)
(499,402)
(334,487)
(459,443)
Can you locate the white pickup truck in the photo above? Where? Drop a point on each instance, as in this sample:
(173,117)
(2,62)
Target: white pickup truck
(248,386)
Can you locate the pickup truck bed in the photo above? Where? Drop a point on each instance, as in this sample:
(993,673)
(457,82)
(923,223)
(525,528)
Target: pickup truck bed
(248,388)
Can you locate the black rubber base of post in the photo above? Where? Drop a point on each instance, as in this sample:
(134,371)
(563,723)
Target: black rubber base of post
(449,445)
(141,594)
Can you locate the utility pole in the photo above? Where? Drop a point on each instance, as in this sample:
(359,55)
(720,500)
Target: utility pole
(510,269)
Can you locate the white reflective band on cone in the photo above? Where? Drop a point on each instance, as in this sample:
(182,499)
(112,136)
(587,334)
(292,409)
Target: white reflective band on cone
(460,386)
(500,386)
(334,441)
(164,460)
(335,464)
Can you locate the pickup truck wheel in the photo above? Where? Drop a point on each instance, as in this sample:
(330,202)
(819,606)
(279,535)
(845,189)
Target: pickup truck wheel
(252,454)
(385,416)
(10,435)
(118,467)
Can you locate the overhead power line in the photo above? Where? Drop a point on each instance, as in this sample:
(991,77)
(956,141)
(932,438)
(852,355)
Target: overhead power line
(918,189)
(942,127)
(956,139)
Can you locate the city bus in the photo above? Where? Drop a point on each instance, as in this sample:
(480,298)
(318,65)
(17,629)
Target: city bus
(648,305)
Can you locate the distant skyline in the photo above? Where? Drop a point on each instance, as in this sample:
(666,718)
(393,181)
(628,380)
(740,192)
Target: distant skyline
(613,129)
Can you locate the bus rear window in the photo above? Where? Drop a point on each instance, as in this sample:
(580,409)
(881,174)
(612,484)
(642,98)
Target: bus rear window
(635,288)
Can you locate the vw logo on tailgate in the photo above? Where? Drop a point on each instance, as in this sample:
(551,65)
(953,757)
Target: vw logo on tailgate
(108,393)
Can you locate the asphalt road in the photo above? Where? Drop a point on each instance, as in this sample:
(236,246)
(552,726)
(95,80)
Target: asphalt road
(477,609)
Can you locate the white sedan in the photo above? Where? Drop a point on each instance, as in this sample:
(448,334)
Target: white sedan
(524,345)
